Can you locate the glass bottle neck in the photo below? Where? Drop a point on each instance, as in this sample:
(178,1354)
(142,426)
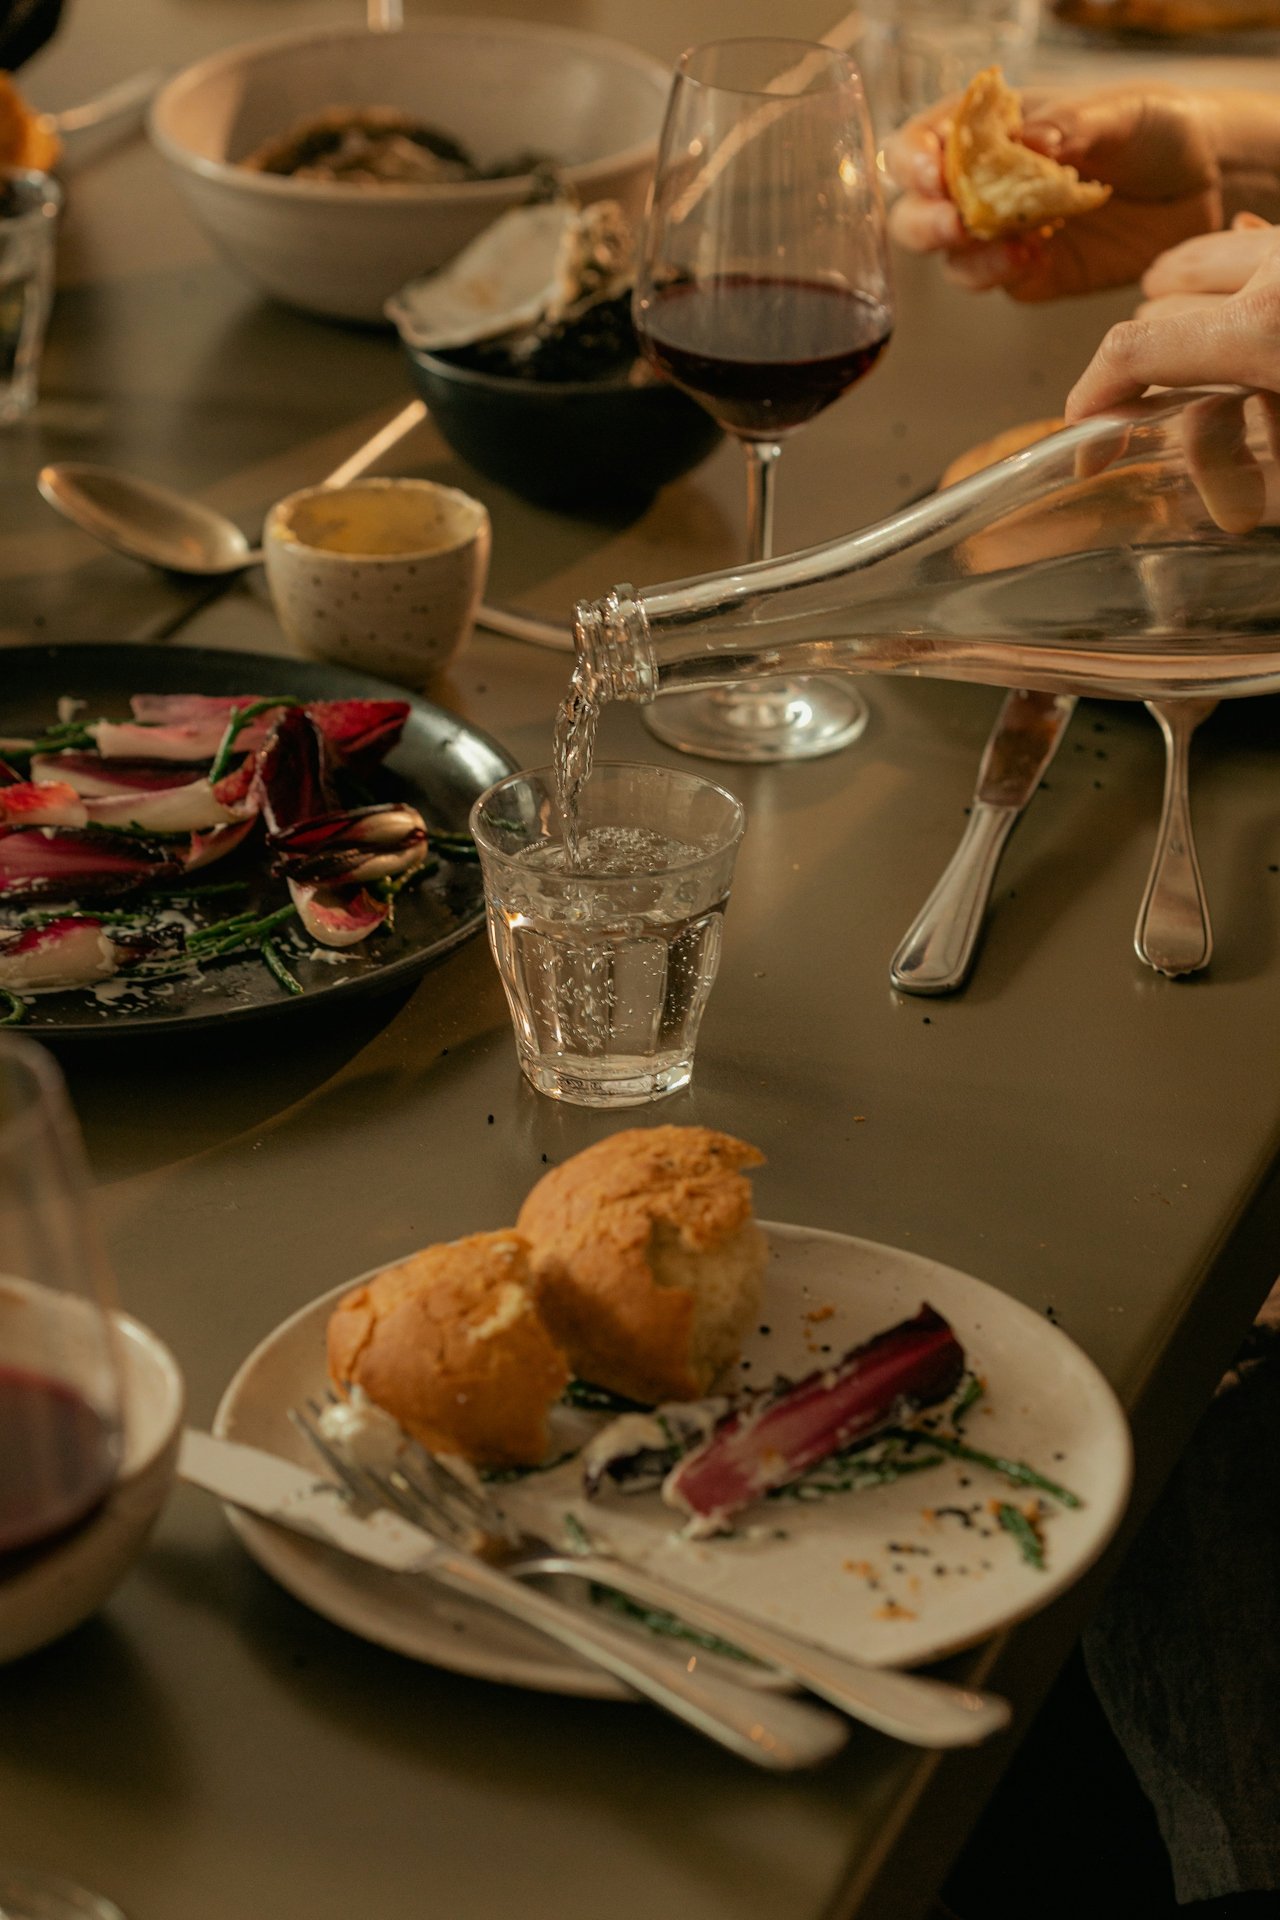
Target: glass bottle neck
(614,648)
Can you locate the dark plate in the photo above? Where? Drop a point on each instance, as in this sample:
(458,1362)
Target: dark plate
(440,765)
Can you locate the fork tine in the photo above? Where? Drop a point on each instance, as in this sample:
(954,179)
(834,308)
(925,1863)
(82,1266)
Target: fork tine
(414,1504)
(428,1479)
(351,1478)
(469,1506)
(455,1485)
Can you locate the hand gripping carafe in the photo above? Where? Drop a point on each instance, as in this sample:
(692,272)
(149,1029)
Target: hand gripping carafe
(1134,556)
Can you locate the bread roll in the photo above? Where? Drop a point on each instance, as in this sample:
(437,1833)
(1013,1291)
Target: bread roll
(450,1342)
(647,1259)
(999,186)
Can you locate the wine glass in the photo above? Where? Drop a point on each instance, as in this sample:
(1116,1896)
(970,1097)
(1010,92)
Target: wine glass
(60,1403)
(764,292)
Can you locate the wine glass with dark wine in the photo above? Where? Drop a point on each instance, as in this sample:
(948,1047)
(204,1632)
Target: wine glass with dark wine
(60,1406)
(764,292)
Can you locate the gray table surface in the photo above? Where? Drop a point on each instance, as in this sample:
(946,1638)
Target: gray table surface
(1087,1136)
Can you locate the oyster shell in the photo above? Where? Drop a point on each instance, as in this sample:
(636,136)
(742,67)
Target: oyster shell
(533,269)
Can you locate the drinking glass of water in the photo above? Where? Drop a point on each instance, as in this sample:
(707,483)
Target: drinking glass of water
(607,959)
(29,204)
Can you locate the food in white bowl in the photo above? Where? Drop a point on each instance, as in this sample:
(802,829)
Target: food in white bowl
(45,1594)
(365,146)
(496,87)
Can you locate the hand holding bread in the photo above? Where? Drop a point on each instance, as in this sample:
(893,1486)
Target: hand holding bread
(1154,147)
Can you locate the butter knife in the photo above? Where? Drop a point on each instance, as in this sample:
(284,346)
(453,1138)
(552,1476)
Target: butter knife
(771,1730)
(937,953)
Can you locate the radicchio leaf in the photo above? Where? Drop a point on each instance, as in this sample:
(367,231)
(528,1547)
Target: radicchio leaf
(71,863)
(783,1434)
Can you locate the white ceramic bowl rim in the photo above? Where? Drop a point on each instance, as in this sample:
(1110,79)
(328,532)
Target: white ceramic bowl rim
(144,1446)
(284,186)
(475,509)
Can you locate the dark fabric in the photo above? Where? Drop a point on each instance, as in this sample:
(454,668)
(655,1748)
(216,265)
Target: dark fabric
(1185,1651)
(25,25)
(1185,1656)
(1069,1834)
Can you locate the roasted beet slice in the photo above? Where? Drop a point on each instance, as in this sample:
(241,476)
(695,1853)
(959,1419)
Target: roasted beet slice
(783,1434)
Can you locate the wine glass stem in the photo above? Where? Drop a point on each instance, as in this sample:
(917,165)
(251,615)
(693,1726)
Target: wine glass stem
(757,705)
(762,459)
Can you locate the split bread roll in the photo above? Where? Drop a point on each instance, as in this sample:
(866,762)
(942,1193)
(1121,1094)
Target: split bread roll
(648,1260)
(999,186)
(450,1343)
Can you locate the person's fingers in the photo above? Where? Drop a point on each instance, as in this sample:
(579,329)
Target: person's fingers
(913,155)
(1235,342)
(1209,263)
(1098,454)
(1226,474)
(1264,411)
(922,225)
(1170,303)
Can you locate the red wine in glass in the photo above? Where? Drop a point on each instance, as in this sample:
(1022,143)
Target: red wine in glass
(763,356)
(58,1458)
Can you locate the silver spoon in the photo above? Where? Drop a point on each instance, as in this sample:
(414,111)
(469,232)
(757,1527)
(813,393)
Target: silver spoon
(1173,934)
(167,530)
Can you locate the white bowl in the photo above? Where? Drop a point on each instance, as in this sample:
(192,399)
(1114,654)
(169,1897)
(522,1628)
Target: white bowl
(64,1585)
(498,86)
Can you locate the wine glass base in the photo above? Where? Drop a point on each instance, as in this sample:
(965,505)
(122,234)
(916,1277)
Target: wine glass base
(27,1895)
(761,721)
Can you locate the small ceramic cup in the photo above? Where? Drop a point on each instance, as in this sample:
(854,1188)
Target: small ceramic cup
(381,575)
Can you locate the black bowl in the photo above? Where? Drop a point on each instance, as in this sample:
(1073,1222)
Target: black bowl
(566,443)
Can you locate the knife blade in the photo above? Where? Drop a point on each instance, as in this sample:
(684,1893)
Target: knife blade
(280,1490)
(937,952)
(772,1730)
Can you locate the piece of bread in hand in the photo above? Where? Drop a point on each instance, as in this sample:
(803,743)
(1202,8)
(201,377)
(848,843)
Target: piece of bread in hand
(999,186)
(450,1342)
(999,447)
(648,1259)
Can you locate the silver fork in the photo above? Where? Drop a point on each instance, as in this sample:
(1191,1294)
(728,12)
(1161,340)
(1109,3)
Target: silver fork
(1173,933)
(769,1729)
(912,1707)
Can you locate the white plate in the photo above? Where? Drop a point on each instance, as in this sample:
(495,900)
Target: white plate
(886,1574)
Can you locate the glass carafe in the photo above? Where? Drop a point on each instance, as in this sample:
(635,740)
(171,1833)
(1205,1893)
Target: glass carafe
(1133,556)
